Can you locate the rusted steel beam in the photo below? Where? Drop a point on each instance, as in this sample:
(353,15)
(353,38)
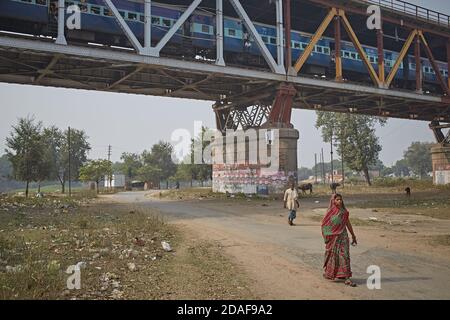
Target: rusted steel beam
(433,63)
(419,78)
(282,106)
(287,28)
(359,48)
(337,48)
(400,58)
(323,26)
(380,46)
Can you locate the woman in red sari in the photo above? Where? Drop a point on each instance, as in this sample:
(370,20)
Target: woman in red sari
(334,231)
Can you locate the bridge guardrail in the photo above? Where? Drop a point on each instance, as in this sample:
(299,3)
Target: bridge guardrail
(418,12)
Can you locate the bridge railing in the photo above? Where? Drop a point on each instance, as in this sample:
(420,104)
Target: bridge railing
(418,12)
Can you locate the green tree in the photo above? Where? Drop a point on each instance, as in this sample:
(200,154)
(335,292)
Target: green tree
(160,157)
(95,170)
(354,137)
(57,149)
(150,174)
(400,168)
(26,151)
(418,158)
(131,164)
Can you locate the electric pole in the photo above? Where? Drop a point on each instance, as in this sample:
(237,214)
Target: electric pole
(332,167)
(315,167)
(323,168)
(109,159)
(70,156)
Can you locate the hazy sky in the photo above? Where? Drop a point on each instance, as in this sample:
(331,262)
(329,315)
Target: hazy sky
(132,123)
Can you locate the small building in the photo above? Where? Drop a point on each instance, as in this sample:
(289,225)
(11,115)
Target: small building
(117,181)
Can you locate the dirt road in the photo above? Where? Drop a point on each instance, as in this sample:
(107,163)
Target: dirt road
(285,262)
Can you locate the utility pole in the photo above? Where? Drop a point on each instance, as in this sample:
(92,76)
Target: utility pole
(332,168)
(323,168)
(70,156)
(315,167)
(109,159)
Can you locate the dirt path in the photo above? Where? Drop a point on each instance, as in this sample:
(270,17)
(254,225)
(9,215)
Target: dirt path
(285,262)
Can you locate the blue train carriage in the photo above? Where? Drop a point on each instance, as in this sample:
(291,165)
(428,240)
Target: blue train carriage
(202,33)
(27,16)
(99,25)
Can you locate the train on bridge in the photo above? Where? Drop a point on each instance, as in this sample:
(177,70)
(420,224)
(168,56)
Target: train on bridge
(197,37)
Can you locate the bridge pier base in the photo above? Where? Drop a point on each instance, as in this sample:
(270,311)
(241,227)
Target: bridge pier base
(259,178)
(268,169)
(440,158)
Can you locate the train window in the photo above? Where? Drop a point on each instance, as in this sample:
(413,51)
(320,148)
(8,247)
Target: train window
(156,20)
(318,49)
(205,29)
(29,1)
(304,45)
(141,18)
(297,45)
(232,32)
(122,13)
(95,10)
(83,8)
(68,3)
(41,2)
(326,50)
(372,59)
(107,12)
(412,66)
(132,16)
(166,22)
(265,39)
(273,40)
(353,56)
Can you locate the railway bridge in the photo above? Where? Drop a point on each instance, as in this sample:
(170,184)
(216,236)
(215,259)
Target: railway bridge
(255,60)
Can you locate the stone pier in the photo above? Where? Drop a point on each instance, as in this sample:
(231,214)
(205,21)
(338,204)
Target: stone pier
(440,157)
(257,177)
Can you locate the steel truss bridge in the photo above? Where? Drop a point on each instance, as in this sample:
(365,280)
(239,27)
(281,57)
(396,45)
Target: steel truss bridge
(246,96)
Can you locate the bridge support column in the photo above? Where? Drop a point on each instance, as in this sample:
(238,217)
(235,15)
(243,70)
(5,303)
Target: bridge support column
(440,154)
(260,159)
(440,157)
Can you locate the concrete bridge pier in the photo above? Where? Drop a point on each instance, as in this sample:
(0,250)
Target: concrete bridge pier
(256,157)
(440,154)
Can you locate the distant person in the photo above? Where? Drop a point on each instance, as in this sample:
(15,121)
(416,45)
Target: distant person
(177,186)
(291,203)
(408,192)
(337,244)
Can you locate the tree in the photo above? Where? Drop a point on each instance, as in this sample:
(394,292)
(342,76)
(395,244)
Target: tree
(57,148)
(150,174)
(131,164)
(160,157)
(95,170)
(358,144)
(304,173)
(26,151)
(418,158)
(400,168)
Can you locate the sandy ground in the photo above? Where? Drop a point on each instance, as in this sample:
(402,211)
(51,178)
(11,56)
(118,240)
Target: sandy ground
(285,262)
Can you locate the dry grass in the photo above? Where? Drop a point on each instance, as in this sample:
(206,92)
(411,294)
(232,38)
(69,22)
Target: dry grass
(40,239)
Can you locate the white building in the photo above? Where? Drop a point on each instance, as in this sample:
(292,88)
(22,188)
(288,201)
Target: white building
(118,181)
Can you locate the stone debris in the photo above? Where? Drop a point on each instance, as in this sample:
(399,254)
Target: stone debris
(166,246)
(131,266)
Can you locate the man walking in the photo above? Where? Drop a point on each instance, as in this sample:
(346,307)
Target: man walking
(291,203)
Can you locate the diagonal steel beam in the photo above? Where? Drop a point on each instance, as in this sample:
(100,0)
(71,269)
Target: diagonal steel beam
(433,63)
(193,85)
(276,68)
(132,73)
(351,33)
(400,58)
(320,31)
(125,28)
(177,25)
(47,70)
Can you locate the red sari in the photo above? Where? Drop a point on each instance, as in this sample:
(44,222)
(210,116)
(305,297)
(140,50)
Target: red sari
(337,244)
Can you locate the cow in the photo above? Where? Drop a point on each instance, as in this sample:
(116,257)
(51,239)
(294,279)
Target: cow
(333,186)
(408,192)
(305,187)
